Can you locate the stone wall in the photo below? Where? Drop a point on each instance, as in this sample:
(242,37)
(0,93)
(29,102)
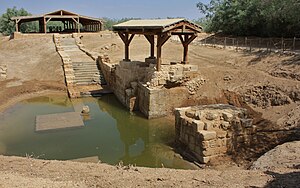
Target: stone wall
(212,131)
(140,87)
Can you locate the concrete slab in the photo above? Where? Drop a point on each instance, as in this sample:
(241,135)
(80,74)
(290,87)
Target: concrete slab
(58,121)
(93,159)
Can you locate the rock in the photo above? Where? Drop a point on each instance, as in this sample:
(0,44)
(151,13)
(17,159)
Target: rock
(85,109)
(211,116)
(190,113)
(208,135)
(227,116)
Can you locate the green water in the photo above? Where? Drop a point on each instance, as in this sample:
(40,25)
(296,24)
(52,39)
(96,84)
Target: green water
(111,134)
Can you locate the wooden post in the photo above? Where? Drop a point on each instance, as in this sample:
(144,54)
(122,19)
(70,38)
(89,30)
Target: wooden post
(161,40)
(225,41)
(45,25)
(78,25)
(127,40)
(150,39)
(186,40)
(17,25)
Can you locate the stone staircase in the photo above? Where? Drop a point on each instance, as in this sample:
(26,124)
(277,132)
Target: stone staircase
(83,76)
(87,73)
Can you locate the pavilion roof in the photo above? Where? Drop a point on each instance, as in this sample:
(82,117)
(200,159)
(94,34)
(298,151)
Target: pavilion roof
(157,26)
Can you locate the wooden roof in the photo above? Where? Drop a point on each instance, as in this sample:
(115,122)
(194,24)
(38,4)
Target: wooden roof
(158,26)
(57,15)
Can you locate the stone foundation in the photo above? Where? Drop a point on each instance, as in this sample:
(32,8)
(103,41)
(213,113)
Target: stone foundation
(212,131)
(139,86)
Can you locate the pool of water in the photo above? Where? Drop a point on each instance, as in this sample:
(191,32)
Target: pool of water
(111,134)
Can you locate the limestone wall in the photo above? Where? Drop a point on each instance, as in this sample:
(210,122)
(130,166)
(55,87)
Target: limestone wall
(140,87)
(213,130)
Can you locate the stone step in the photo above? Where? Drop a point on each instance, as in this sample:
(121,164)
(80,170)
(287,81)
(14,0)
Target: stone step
(87,83)
(86,73)
(85,63)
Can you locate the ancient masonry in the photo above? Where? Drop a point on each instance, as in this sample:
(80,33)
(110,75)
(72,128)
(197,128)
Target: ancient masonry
(140,87)
(3,72)
(212,131)
(83,77)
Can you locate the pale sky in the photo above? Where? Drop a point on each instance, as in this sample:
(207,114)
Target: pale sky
(111,8)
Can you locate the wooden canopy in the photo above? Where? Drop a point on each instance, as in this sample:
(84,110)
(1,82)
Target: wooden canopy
(72,22)
(163,29)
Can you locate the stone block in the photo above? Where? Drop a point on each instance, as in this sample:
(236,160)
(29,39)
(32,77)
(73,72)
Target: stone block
(198,115)
(208,135)
(205,144)
(190,113)
(225,125)
(246,123)
(128,92)
(208,126)
(221,134)
(162,81)
(227,116)
(211,116)
(198,125)
(204,159)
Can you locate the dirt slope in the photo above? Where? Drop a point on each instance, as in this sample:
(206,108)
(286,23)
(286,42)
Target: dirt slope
(32,65)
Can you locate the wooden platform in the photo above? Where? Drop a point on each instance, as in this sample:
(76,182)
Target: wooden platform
(58,121)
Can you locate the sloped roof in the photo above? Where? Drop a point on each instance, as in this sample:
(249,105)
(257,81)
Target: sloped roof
(57,13)
(159,25)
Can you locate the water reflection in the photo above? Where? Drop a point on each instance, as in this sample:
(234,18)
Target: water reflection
(111,133)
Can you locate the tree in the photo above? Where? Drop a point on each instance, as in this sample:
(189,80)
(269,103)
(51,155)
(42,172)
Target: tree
(109,22)
(252,17)
(7,26)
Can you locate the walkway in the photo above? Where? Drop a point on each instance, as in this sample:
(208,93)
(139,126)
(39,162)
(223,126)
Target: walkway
(83,77)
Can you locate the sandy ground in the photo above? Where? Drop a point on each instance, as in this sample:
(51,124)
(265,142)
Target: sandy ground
(34,68)
(26,172)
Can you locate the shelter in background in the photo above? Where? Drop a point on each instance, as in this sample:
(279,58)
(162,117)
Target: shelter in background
(162,29)
(71,22)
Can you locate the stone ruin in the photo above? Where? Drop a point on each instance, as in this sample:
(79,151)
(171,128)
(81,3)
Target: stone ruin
(139,86)
(3,72)
(212,131)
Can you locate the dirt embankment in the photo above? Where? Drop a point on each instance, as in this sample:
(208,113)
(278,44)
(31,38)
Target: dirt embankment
(33,66)
(22,172)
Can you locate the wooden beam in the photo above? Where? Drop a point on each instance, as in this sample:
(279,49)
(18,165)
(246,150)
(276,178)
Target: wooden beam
(48,20)
(163,39)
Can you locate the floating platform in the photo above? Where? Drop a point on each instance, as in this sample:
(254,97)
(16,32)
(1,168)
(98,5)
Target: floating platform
(58,121)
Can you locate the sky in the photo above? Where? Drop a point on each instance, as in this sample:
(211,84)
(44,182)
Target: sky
(111,8)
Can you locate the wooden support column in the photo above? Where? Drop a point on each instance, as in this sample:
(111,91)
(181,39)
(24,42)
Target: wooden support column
(78,25)
(17,25)
(45,25)
(186,41)
(150,38)
(127,40)
(161,40)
